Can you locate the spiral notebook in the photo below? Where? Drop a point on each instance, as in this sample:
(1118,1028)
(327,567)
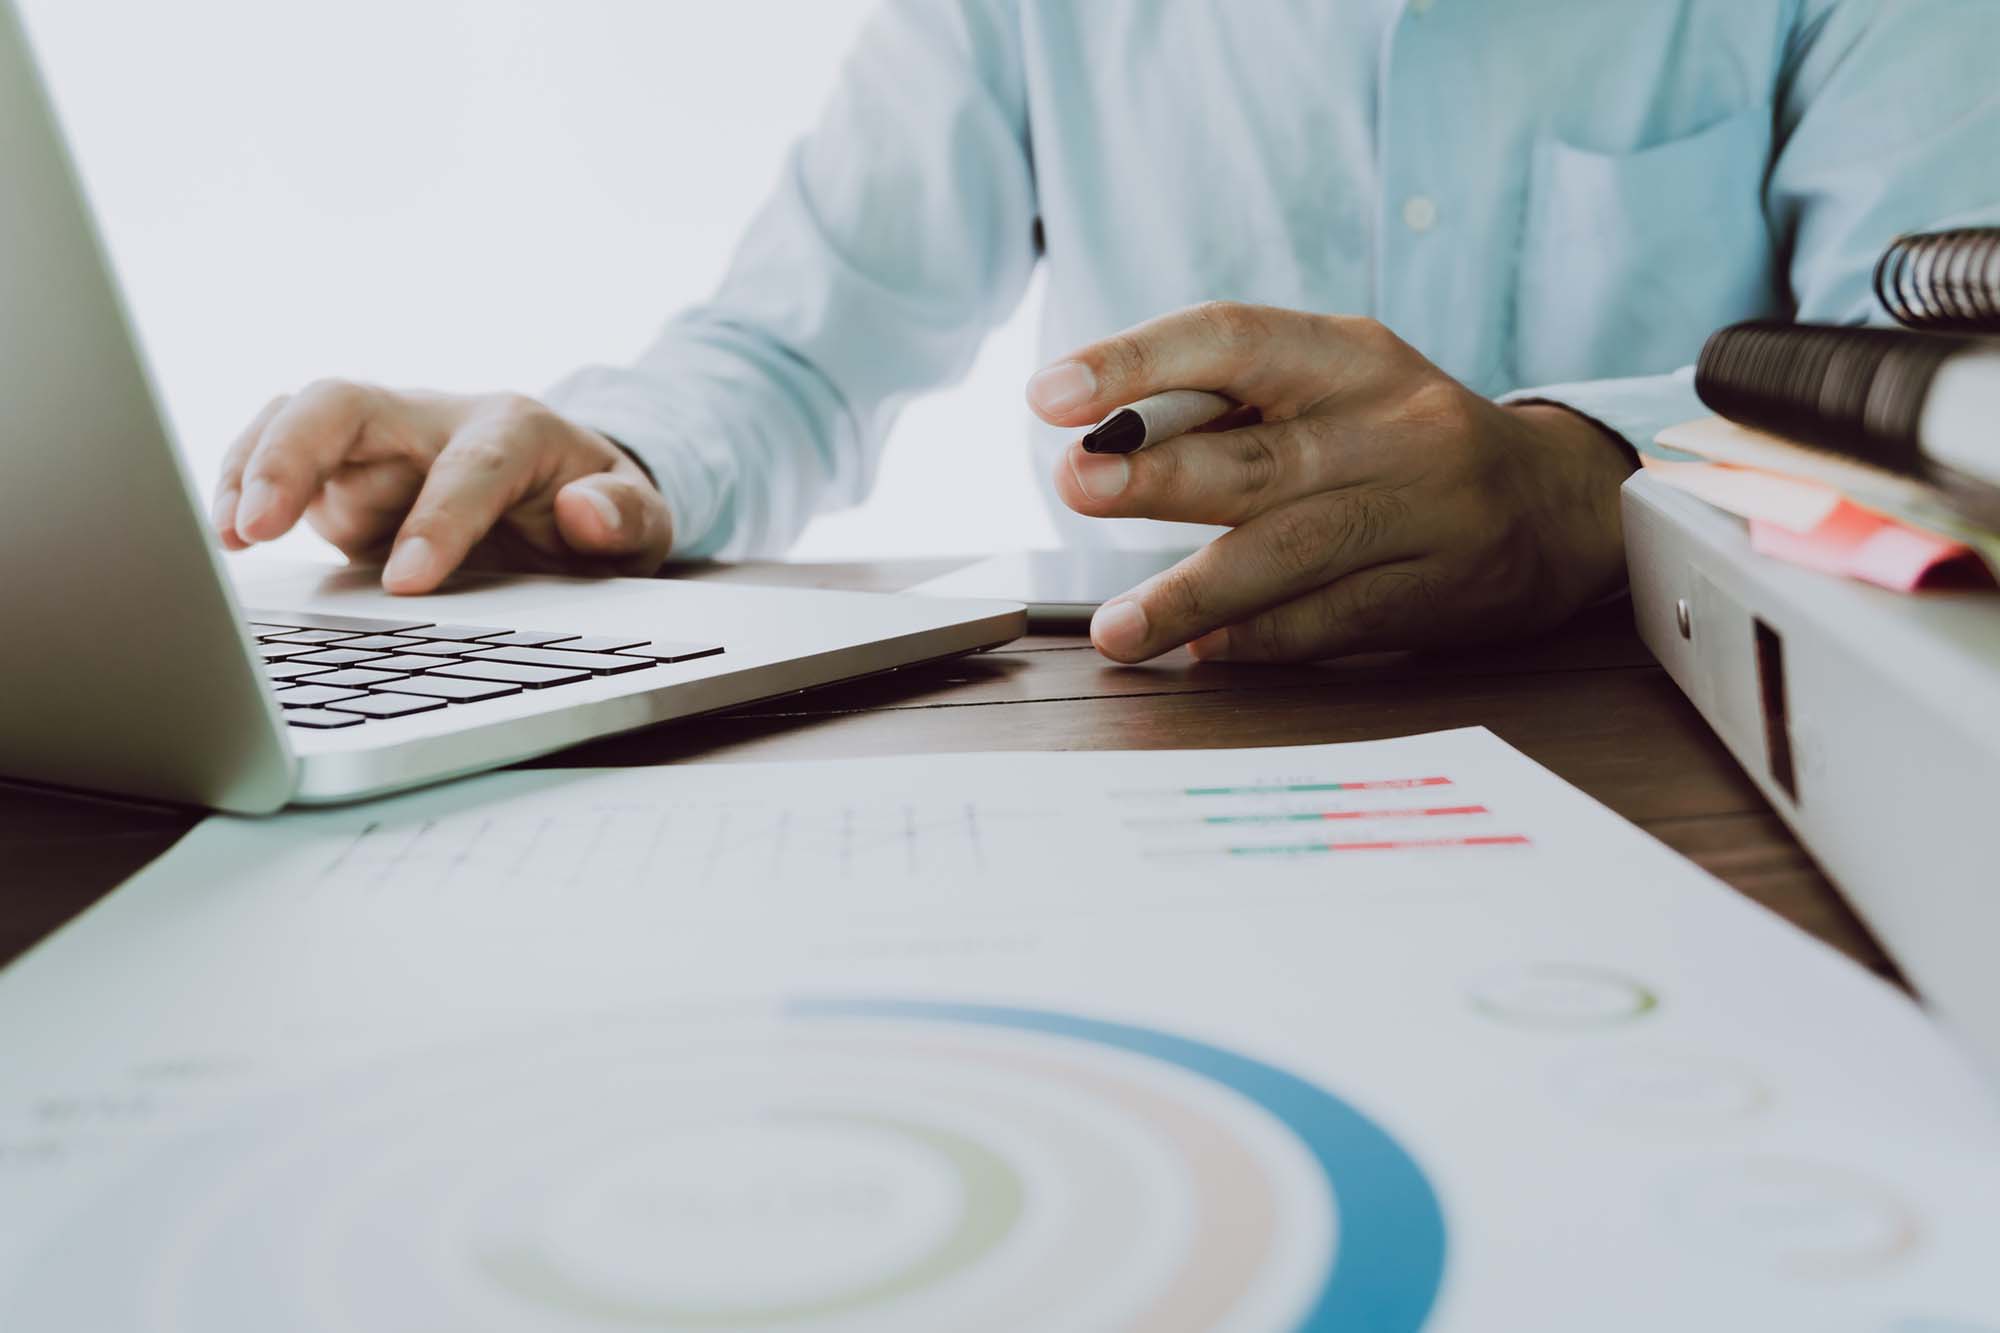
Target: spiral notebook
(1920,401)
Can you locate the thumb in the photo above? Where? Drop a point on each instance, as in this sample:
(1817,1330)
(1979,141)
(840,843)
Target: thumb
(620,519)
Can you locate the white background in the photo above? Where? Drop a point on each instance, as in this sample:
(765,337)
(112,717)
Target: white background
(476,194)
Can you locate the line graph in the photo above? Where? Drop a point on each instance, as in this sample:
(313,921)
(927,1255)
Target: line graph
(693,845)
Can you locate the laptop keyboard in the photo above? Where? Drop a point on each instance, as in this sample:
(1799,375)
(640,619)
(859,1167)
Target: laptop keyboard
(341,671)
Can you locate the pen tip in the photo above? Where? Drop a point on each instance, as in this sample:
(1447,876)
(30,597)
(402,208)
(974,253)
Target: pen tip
(1120,433)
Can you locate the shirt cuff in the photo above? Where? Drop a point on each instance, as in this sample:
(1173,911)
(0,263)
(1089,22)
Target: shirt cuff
(1634,409)
(619,405)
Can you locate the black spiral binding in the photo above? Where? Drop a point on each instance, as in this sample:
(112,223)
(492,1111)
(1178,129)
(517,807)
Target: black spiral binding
(1946,280)
(1858,390)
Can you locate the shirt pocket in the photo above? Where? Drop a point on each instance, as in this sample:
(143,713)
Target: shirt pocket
(1630,260)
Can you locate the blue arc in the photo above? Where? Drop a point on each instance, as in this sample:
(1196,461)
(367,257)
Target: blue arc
(1389,1251)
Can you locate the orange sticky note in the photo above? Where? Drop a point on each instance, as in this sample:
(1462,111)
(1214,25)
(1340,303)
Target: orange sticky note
(1765,497)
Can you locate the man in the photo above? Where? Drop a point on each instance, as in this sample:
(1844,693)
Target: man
(1549,202)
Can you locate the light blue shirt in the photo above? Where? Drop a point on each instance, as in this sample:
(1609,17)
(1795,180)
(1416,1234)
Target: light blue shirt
(1557,198)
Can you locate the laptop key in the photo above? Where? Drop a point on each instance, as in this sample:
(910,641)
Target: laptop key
(528,638)
(460,633)
(674,652)
(457,691)
(599,664)
(602,643)
(309,636)
(352,624)
(387,705)
(278,652)
(320,719)
(381,642)
(313,696)
(410,662)
(294,670)
(357,676)
(534,677)
(339,657)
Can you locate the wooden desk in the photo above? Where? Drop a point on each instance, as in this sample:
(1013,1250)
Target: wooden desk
(1587,701)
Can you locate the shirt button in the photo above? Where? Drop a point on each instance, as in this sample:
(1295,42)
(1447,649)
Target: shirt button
(1421,6)
(1420,212)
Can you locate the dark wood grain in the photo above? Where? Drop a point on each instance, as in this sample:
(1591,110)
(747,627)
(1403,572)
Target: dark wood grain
(1586,701)
(62,851)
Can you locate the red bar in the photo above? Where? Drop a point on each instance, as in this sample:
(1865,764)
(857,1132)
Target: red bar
(1395,784)
(1498,840)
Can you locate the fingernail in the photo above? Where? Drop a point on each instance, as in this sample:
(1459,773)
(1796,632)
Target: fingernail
(1120,628)
(224,514)
(259,499)
(411,562)
(1065,385)
(606,507)
(1099,476)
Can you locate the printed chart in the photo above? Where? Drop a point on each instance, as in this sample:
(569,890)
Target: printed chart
(843,1164)
(916,839)
(1294,817)
(692,845)
(1371,1037)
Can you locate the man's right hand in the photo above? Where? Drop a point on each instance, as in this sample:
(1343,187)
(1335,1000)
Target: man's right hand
(436,480)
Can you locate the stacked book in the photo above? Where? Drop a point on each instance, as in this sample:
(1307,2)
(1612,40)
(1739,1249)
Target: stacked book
(1872,453)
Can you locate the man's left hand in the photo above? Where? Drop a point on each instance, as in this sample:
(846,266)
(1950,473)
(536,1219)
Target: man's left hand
(1377,504)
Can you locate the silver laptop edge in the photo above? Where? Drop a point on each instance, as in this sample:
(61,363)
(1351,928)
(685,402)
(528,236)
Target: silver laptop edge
(125,664)
(97,512)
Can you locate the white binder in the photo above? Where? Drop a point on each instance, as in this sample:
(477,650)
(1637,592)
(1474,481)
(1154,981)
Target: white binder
(1871,720)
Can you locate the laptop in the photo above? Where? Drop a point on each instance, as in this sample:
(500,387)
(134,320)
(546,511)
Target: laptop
(135,659)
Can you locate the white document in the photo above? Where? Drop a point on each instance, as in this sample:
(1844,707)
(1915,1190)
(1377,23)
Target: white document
(1385,1036)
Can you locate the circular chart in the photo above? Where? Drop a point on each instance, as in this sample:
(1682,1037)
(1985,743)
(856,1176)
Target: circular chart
(1563,996)
(1805,1218)
(840,1164)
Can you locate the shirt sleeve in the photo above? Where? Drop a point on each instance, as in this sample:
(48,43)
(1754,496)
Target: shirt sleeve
(902,229)
(1887,120)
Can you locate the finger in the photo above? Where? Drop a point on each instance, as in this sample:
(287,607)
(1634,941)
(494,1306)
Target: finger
(1397,605)
(482,472)
(1280,361)
(615,517)
(1268,561)
(229,486)
(1228,477)
(360,506)
(304,442)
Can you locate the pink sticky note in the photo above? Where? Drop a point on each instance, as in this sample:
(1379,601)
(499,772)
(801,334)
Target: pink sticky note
(1858,544)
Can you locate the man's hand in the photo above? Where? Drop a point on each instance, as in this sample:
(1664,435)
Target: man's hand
(1378,504)
(434,480)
